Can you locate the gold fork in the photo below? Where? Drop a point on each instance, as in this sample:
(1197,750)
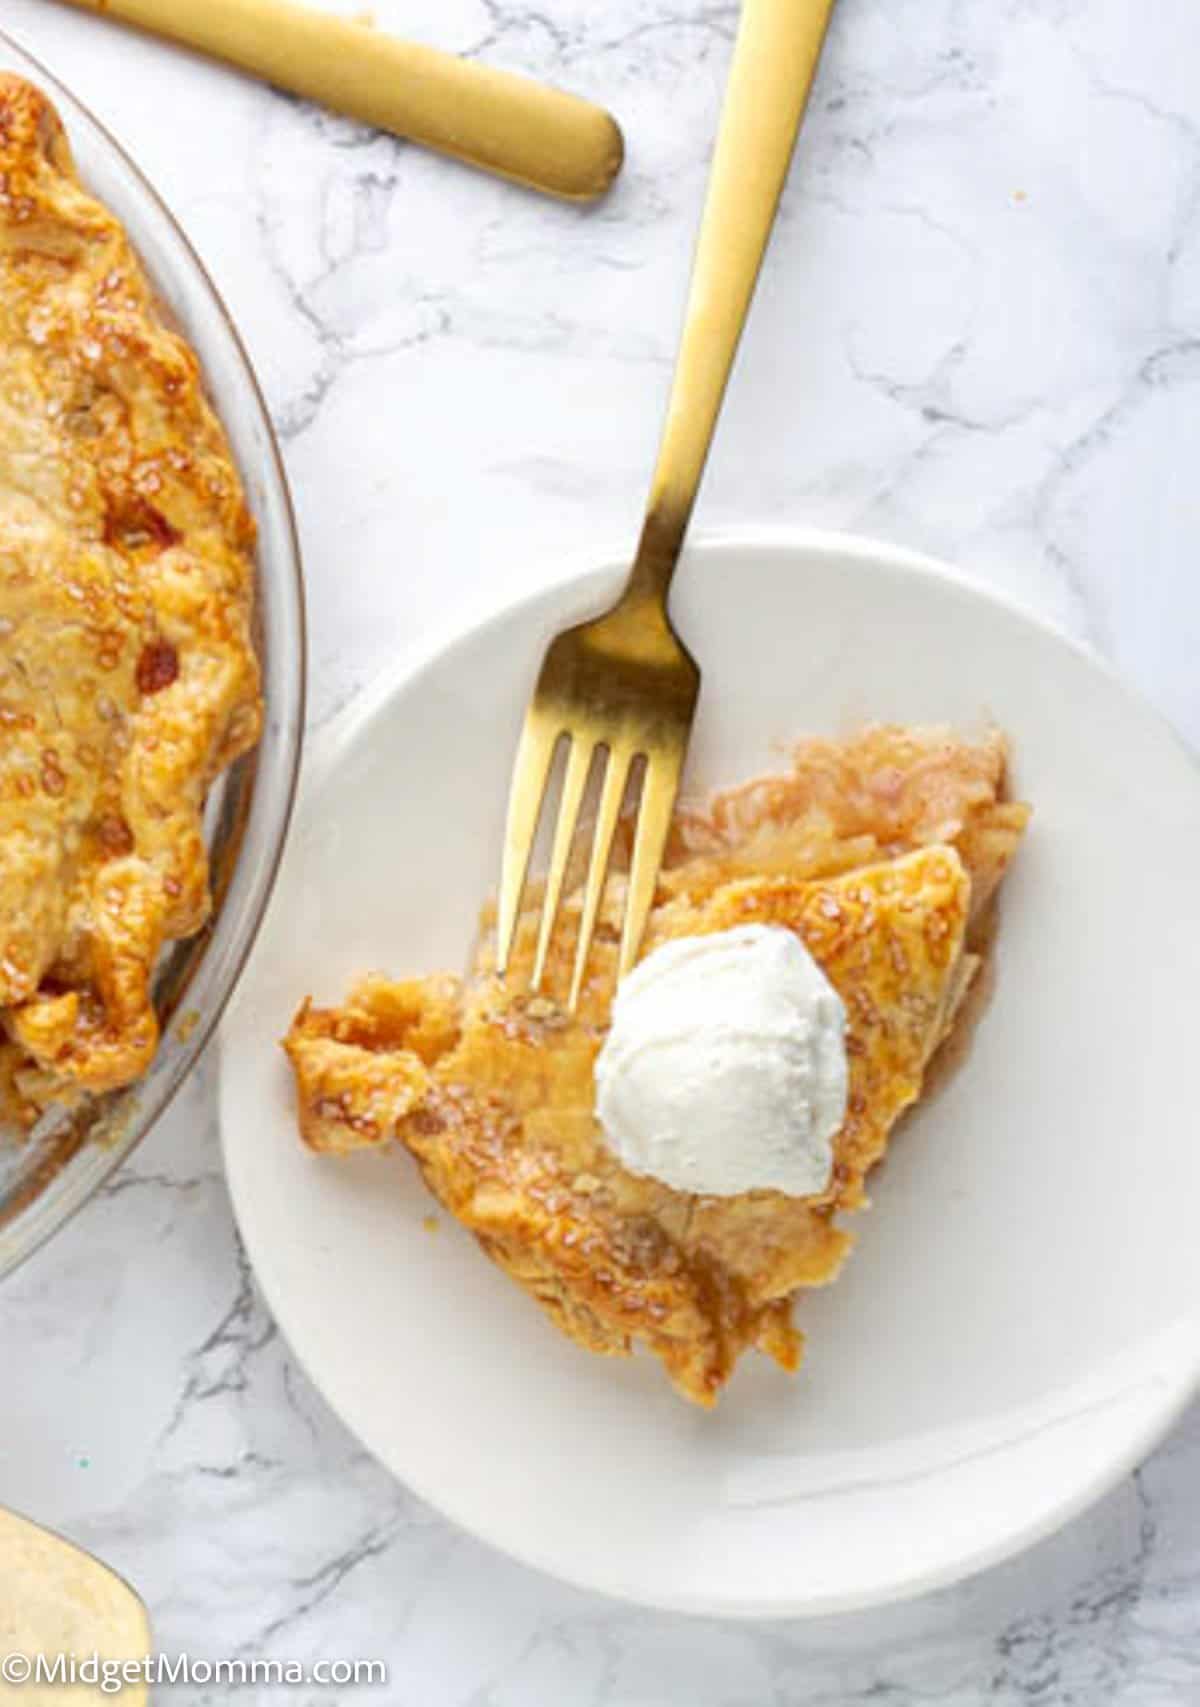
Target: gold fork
(624,687)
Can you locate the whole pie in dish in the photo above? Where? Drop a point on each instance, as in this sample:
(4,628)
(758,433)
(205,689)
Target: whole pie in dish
(128,677)
(883,853)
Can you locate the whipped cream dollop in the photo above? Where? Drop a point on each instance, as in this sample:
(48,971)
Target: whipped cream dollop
(725,1068)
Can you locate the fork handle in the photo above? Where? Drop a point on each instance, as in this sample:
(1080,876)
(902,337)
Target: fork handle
(506,124)
(775,58)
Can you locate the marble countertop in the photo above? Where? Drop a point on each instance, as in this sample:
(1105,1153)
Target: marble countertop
(979,334)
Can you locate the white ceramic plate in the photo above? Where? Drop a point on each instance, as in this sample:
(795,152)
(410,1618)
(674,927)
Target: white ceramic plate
(1019,1323)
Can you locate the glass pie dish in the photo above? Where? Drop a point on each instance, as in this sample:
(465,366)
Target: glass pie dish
(48,1174)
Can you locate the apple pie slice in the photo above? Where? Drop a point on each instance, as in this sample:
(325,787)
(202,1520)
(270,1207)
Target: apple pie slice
(882,854)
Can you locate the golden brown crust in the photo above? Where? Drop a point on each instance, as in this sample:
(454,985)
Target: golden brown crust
(492,1091)
(850,803)
(128,677)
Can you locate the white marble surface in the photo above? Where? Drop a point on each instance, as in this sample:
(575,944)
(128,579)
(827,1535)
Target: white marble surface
(979,334)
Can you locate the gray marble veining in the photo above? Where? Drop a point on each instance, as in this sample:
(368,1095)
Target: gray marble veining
(979,334)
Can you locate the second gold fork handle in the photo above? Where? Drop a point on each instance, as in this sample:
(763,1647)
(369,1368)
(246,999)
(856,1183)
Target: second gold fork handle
(504,123)
(775,59)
